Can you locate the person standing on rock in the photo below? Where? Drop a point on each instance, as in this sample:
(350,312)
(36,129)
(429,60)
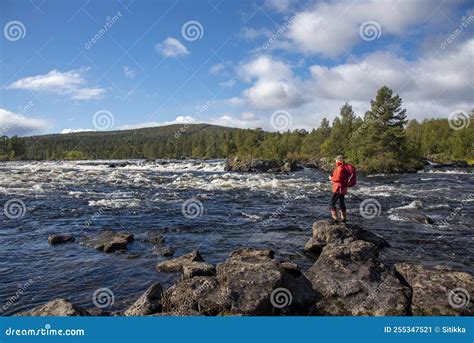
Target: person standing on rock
(339,179)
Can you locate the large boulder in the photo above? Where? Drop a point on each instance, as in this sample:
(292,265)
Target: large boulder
(352,281)
(148,303)
(60,239)
(325,233)
(250,282)
(438,291)
(200,294)
(191,265)
(259,285)
(56,308)
(110,241)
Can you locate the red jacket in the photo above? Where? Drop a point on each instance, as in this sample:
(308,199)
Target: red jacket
(339,179)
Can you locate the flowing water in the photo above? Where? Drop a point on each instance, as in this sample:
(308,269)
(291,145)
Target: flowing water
(196,205)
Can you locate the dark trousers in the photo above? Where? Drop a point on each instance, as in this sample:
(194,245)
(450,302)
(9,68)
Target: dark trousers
(342,204)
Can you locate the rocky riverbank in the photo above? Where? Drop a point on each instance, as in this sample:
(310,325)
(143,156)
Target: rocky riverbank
(347,278)
(327,165)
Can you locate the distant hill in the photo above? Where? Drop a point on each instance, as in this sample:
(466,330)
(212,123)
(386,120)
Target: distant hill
(171,141)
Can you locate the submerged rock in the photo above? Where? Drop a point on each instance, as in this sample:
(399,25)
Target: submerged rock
(352,281)
(438,291)
(58,307)
(154,237)
(110,241)
(191,265)
(325,233)
(148,303)
(163,251)
(60,239)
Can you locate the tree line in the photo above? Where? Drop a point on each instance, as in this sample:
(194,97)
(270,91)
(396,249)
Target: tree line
(383,139)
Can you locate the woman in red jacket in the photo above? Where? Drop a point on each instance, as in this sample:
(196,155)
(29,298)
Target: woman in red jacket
(339,190)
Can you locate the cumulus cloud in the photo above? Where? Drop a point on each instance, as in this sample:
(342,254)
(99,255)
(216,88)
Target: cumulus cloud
(440,78)
(171,47)
(17,124)
(331,29)
(274,84)
(433,85)
(70,82)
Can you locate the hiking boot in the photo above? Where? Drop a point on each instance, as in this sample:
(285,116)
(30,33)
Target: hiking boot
(343,217)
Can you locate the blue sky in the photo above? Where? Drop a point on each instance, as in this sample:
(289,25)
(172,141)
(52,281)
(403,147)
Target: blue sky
(105,65)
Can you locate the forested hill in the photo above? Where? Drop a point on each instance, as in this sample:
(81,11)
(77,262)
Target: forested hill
(382,140)
(172,141)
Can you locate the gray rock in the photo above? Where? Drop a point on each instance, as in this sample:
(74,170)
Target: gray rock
(200,295)
(191,265)
(55,308)
(438,291)
(251,276)
(325,233)
(163,251)
(154,237)
(148,303)
(110,241)
(260,166)
(60,239)
(352,281)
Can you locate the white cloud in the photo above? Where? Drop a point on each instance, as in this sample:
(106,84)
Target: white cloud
(220,68)
(250,34)
(440,78)
(17,124)
(171,47)
(245,120)
(274,87)
(228,84)
(70,82)
(66,131)
(129,72)
(279,5)
(331,29)
(433,85)
(178,120)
